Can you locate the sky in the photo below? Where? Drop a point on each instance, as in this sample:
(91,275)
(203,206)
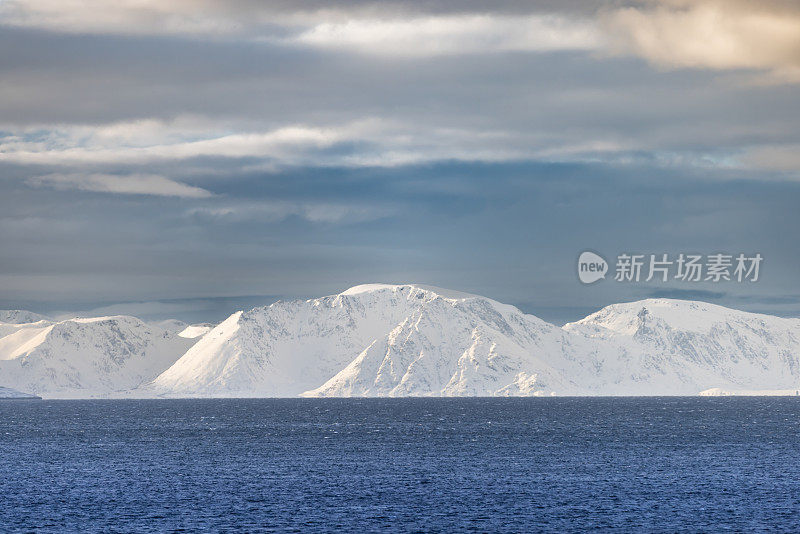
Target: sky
(189,158)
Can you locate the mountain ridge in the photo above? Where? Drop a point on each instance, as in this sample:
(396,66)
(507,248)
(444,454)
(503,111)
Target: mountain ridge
(410,340)
(472,345)
(86,357)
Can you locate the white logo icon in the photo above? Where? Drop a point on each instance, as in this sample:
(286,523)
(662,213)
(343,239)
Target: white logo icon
(591,267)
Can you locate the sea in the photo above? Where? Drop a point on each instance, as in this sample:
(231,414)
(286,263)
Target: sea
(674,464)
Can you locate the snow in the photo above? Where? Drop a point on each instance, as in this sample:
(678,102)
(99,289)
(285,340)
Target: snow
(461,347)
(408,340)
(719,392)
(405,340)
(196,330)
(684,347)
(367,288)
(690,316)
(21,317)
(208,360)
(86,357)
(170,325)
(22,340)
(8,393)
(288,348)
(442,292)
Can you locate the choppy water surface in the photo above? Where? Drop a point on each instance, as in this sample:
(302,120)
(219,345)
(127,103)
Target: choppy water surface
(557,464)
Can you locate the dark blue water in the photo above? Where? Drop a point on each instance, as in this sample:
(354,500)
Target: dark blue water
(657,464)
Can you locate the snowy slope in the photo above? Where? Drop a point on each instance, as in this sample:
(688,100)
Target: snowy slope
(683,347)
(469,346)
(21,317)
(8,393)
(381,340)
(189,331)
(82,358)
(196,330)
(403,340)
(14,320)
(288,347)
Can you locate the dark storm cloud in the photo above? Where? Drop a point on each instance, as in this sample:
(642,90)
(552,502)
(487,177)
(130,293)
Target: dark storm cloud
(158,151)
(516,240)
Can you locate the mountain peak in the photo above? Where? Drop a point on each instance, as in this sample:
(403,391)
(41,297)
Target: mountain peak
(685,315)
(377,287)
(371,288)
(84,357)
(21,317)
(408,340)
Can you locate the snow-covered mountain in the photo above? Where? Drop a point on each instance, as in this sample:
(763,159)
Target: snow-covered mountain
(382,340)
(288,348)
(86,357)
(14,320)
(8,393)
(676,347)
(406,340)
(470,346)
(21,317)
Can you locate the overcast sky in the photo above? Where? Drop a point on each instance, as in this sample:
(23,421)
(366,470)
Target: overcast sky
(193,156)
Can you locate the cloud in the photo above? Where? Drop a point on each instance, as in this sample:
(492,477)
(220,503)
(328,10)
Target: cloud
(123,16)
(367,143)
(451,225)
(273,211)
(347,140)
(711,34)
(134,184)
(425,91)
(314,19)
(778,157)
(707,34)
(460,34)
(370,142)
(67,146)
